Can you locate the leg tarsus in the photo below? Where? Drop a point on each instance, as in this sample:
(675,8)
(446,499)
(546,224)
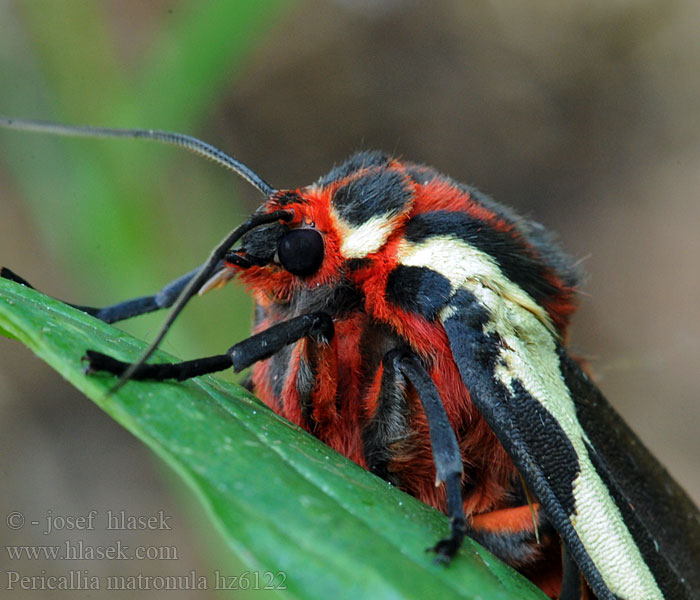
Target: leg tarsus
(165,298)
(448,547)
(120,311)
(6,273)
(158,371)
(446,454)
(240,356)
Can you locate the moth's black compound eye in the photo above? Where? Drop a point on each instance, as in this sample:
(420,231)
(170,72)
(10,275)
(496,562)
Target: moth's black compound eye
(301,251)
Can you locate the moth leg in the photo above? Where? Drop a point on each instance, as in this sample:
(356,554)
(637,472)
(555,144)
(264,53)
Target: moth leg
(446,454)
(389,425)
(129,308)
(243,354)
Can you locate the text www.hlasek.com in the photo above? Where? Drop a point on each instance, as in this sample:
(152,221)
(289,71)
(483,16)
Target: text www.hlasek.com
(70,550)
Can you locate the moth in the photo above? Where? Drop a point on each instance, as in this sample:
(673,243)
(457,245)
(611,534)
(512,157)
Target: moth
(419,328)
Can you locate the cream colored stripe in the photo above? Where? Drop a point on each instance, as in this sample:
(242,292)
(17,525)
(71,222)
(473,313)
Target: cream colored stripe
(358,242)
(462,263)
(529,354)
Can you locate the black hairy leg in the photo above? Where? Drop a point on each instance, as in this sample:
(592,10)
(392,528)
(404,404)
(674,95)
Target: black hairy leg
(318,326)
(127,309)
(446,454)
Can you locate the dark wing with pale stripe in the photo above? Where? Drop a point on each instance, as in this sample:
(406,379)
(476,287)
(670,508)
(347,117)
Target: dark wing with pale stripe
(564,476)
(503,292)
(540,450)
(663,520)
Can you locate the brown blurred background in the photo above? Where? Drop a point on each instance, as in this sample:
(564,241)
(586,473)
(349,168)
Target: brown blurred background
(585,116)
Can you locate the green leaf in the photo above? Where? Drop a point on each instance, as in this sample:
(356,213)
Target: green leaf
(281,499)
(7,334)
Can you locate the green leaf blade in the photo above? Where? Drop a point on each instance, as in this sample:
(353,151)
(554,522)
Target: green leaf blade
(280,498)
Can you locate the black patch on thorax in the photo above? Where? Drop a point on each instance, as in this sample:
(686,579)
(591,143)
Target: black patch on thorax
(379,192)
(418,289)
(357,162)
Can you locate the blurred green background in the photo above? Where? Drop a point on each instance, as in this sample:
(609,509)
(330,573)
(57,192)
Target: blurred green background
(583,115)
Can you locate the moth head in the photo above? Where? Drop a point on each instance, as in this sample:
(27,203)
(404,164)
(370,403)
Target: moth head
(350,214)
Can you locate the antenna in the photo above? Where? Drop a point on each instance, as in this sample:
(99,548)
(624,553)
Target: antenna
(196,146)
(192,144)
